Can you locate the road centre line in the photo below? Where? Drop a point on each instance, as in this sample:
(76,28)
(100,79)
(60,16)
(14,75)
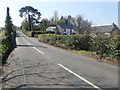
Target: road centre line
(38,50)
(28,43)
(34,47)
(80,77)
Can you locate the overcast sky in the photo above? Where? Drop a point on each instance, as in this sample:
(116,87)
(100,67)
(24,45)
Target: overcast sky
(100,13)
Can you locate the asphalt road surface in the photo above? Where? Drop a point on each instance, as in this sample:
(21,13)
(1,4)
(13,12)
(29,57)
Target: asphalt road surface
(37,65)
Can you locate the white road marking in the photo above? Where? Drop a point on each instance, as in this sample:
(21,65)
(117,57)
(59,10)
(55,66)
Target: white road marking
(34,47)
(80,77)
(28,43)
(38,50)
(24,38)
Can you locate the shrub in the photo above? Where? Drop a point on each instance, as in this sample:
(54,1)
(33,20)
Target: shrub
(107,47)
(6,46)
(76,42)
(114,47)
(28,33)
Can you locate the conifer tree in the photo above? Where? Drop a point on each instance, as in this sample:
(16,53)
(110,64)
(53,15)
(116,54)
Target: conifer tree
(10,33)
(8,25)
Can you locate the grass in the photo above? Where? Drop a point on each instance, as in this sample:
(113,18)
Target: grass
(83,52)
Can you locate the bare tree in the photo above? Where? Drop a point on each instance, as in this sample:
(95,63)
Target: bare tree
(83,26)
(69,19)
(61,18)
(86,27)
(55,17)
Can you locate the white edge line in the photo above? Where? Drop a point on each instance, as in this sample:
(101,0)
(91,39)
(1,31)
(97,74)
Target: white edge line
(79,77)
(23,71)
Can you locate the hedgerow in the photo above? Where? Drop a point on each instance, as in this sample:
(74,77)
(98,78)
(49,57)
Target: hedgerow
(106,47)
(77,42)
(6,46)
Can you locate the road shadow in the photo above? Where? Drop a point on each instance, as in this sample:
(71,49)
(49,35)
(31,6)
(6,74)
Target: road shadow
(30,46)
(5,79)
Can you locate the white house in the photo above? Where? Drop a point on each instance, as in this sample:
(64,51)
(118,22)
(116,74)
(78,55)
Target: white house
(66,29)
(53,29)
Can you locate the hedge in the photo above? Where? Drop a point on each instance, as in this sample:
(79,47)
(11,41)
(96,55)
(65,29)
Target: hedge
(6,46)
(106,47)
(74,42)
(36,33)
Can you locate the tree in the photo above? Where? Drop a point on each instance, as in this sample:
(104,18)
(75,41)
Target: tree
(60,22)
(45,23)
(8,25)
(55,17)
(86,27)
(79,20)
(24,25)
(69,19)
(61,18)
(31,14)
(83,26)
(10,33)
(51,21)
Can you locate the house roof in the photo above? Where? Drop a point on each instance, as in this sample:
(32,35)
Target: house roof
(105,29)
(66,26)
(115,28)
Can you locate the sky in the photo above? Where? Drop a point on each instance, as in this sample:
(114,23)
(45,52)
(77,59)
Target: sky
(99,12)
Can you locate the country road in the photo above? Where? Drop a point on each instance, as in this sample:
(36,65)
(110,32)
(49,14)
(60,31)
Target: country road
(37,65)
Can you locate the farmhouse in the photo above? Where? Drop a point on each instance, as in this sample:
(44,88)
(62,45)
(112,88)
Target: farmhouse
(106,29)
(102,29)
(115,30)
(66,29)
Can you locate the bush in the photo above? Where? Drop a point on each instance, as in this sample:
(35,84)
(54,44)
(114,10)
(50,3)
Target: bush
(33,33)
(75,42)
(6,46)
(36,33)
(114,47)
(28,33)
(107,47)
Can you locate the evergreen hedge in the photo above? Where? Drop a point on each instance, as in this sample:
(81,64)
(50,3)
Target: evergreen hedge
(6,46)
(76,42)
(106,47)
